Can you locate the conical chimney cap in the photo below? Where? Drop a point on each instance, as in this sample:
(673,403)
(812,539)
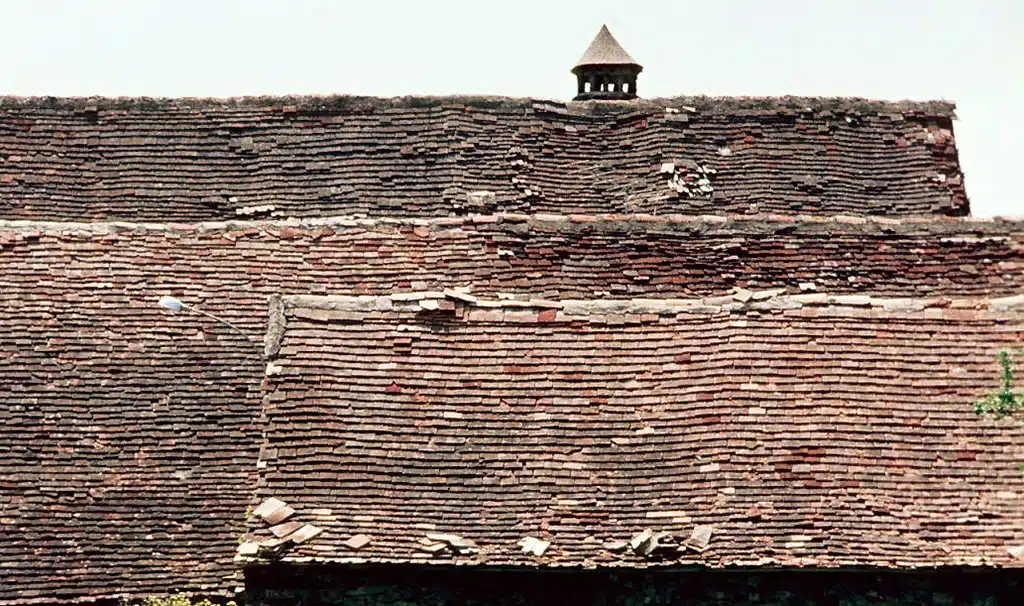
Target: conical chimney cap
(605,50)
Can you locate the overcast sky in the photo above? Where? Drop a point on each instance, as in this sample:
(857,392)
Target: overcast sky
(969,51)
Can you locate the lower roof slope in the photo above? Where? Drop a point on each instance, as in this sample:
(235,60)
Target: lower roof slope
(803,430)
(193,159)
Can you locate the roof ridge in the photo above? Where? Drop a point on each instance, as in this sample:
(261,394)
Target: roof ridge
(853,221)
(741,300)
(360,103)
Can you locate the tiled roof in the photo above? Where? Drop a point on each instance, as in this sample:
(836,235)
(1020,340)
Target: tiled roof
(801,430)
(131,436)
(729,235)
(189,160)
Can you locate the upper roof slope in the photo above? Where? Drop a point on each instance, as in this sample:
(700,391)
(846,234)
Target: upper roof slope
(188,160)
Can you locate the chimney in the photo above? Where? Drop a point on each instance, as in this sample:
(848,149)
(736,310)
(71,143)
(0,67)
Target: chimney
(606,71)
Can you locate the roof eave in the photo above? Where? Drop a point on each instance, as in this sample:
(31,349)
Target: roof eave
(635,67)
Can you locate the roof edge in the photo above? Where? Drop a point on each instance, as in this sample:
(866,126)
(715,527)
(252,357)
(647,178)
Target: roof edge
(753,566)
(221,596)
(357,103)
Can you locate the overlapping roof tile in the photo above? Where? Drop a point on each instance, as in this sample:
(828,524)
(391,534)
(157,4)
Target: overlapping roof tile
(719,359)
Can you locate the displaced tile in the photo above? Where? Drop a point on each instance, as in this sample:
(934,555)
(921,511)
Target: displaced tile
(358,541)
(282,530)
(279,515)
(433,547)
(453,540)
(268,506)
(460,296)
(699,538)
(641,540)
(248,548)
(534,546)
(304,534)
(742,295)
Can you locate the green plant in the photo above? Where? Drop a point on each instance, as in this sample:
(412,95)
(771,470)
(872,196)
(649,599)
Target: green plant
(1005,402)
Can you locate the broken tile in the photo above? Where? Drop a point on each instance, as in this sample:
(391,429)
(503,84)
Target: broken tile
(534,546)
(268,506)
(433,547)
(358,541)
(451,539)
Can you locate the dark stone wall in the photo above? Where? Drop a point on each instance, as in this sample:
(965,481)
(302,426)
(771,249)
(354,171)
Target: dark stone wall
(435,586)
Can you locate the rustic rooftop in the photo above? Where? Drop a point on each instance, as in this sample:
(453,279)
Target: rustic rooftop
(714,332)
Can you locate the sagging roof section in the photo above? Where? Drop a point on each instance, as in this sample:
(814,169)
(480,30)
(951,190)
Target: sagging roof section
(758,429)
(189,160)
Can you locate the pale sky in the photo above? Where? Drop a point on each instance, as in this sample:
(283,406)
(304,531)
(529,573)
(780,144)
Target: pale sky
(968,51)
